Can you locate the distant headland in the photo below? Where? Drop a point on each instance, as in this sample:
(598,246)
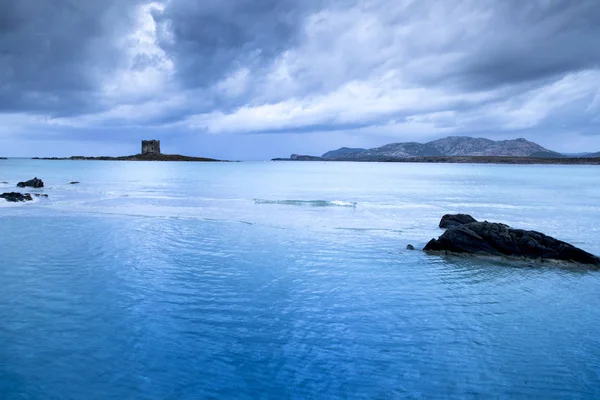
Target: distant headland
(150,152)
(454,149)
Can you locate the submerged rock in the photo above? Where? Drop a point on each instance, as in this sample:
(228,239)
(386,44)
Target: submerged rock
(34,183)
(74,183)
(495,239)
(15,197)
(40,195)
(410,247)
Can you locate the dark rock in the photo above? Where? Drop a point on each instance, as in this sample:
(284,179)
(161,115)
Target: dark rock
(449,220)
(494,239)
(410,247)
(74,183)
(6,183)
(15,197)
(40,195)
(34,183)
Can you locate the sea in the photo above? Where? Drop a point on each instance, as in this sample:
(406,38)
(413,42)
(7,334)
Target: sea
(291,280)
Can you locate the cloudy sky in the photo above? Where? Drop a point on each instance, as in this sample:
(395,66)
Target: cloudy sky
(255,79)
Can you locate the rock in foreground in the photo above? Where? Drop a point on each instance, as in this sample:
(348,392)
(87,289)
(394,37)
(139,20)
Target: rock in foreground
(495,239)
(34,183)
(15,197)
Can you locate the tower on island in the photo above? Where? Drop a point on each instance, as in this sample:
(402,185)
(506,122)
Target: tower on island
(151,147)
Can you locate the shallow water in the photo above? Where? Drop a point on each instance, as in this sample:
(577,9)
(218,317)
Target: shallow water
(290,280)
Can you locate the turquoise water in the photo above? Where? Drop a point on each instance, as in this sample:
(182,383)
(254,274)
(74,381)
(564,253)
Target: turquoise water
(290,281)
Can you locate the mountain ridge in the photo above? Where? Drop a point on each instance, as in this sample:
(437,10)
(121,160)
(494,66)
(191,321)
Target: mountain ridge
(454,146)
(342,151)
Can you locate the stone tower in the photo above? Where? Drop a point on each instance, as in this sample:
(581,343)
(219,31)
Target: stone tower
(150,146)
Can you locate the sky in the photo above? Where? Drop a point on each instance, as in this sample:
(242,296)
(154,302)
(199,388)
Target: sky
(256,79)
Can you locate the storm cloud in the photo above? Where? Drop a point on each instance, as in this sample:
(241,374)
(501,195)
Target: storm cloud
(260,78)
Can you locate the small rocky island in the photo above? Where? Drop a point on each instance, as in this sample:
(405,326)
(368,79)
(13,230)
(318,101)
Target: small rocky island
(465,235)
(150,152)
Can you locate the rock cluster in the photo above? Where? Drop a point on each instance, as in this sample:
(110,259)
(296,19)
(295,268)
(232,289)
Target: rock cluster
(15,197)
(466,235)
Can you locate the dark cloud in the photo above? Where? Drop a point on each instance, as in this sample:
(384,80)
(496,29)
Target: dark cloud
(366,66)
(210,38)
(532,40)
(53,52)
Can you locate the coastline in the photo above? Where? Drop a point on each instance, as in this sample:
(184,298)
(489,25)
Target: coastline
(135,157)
(461,160)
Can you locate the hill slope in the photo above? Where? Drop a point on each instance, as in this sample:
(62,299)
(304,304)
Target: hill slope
(342,152)
(450,146)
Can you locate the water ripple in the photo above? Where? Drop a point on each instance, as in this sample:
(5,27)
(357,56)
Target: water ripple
(204,294)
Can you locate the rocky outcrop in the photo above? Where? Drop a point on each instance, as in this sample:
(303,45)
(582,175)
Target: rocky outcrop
(34,183)
(449,220)
(15,197)
(495,239)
